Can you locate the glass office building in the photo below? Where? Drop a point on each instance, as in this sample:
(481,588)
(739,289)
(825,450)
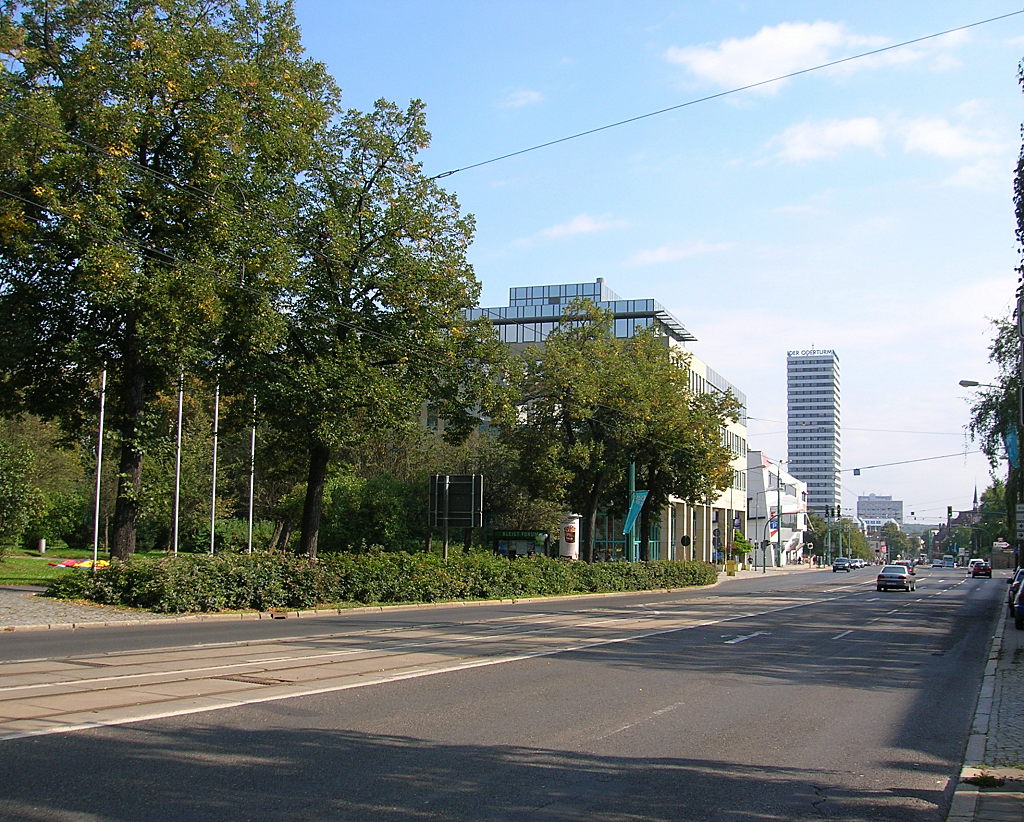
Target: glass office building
(813,423)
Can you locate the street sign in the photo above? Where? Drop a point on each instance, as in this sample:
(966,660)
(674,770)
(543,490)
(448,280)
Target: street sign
(634,510)
(999,545)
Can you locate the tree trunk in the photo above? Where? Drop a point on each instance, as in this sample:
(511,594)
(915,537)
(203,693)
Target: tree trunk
(129,472)
(282,530)
(587,538)
(312,508)
(645,533)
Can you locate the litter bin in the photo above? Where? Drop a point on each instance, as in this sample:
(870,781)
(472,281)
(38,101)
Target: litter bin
(730,567)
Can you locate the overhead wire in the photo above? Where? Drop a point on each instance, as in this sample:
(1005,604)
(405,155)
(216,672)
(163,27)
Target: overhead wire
(208,197)
(726,93)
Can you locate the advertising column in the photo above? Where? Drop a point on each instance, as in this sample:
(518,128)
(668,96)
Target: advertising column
(568,537)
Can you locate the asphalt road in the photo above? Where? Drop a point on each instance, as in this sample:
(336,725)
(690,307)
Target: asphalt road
(808,696)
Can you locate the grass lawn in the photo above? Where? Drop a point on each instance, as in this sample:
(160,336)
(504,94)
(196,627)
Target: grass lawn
(15,570)
(23,567)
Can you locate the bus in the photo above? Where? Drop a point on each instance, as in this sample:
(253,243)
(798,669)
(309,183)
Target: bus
(948,561)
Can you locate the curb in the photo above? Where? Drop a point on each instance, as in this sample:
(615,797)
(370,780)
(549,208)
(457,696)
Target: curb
(965,796)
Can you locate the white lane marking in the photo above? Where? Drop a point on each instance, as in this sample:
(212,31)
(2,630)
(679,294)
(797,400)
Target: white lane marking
(844,633)
(745,638)
(655,714)
(368,680)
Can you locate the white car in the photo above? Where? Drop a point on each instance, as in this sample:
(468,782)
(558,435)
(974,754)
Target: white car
(895,576)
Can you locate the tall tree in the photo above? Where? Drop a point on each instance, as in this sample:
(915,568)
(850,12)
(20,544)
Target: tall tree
(592,403)
(374,317)
(995,411)
(681,452)
(135,137)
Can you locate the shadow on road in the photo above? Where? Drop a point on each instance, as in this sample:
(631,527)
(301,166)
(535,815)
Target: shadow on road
(216,773)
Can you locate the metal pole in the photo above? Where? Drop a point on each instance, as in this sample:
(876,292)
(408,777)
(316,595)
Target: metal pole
(444,548)
(213,484)
(631,548)
(175,514)
(839,515)
(99,472)
(778,498)
(252,474)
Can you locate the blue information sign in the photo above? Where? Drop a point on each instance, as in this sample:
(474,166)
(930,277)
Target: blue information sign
(634,510)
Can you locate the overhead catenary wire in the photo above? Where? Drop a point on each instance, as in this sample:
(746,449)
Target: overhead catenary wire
(728,92)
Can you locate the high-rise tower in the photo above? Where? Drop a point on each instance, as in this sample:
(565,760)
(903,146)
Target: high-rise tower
(815,455)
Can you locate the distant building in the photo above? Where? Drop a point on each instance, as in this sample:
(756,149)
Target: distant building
(684,530)
(771,491)
(812,417)
(876,510)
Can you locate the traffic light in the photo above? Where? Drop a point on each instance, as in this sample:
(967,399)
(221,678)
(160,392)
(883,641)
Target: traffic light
(949,512)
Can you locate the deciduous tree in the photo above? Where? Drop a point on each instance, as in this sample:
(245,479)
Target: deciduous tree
(374,316)
(139,141)
(592,403)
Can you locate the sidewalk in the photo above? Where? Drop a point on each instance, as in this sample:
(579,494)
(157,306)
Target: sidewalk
(995,749)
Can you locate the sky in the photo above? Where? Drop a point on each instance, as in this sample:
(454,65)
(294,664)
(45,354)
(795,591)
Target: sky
(865,208)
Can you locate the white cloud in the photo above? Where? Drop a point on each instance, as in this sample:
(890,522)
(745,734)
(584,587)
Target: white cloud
(580,224)
(814,140)
(978,149)
(985,174)
(674,253)
(940,138)
(525,97)
(772,52)
(776,51)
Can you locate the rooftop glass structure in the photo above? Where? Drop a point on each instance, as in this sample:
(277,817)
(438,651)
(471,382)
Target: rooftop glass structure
(534,311)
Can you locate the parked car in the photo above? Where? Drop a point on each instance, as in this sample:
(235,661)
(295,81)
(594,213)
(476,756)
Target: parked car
(1015,583)
(841,564)
(896,576)
(1018,609)
(981,569)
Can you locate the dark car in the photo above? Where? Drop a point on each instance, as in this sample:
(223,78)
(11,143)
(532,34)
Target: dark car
(1015,583)
(981,569)
(906,563)
(1018,609)
(895,576)
(841,564)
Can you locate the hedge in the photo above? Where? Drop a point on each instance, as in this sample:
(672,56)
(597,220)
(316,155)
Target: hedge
(229,582)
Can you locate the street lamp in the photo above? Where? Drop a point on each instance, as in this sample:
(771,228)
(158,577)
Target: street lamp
(976,384)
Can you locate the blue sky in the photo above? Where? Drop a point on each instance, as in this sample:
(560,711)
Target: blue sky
(866,208)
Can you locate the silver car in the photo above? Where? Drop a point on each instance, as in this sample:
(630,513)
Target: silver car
(895,576)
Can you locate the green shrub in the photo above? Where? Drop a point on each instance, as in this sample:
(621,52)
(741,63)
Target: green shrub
(264,581)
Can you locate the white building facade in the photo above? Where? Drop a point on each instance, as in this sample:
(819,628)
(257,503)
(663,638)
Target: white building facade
(875,507)
(776,512)
(813,426)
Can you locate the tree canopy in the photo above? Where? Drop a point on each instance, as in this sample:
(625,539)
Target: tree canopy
(592,403)
(134,135)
